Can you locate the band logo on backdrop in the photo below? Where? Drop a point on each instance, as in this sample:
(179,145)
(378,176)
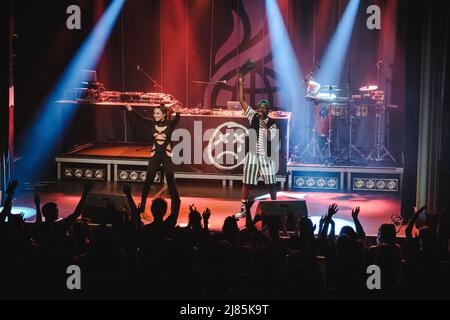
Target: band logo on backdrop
(224,147)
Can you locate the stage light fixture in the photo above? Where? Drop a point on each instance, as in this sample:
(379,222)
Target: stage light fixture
(332,183)
(381,184)
(123,175)
(143,176)
(370,184)
(89,174)
(321,182)
(68,173)
(300,182)
(99,174)
(79,173)
(392,185)
(134,176)
(359,184)
(310,182)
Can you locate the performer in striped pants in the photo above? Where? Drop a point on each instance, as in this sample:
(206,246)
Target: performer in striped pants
(258,162)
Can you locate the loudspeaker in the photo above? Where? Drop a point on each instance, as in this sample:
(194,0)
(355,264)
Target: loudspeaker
(97,207)
(291,208)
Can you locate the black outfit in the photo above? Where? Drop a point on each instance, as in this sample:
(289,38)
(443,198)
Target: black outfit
(160,153)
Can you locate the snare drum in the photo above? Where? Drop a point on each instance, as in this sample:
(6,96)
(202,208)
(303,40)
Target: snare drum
(362,111)
(337,110)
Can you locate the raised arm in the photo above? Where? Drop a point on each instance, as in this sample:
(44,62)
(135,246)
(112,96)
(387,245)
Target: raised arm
(412,222)
(140,116)
(79,209)
(176,120)
(135,210)
(206,215)
(359,228)
(8,202)
(37,203)
(244,104)
(174,212)
(332,210)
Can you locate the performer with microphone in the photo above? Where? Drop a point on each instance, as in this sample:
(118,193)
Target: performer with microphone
(257,161)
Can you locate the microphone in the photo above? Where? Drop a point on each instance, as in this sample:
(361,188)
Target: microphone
(222,82)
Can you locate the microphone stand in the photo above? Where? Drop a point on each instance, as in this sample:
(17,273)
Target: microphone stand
(210,83)
(155,83)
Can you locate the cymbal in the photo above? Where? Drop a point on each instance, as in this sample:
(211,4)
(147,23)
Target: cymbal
(328,89)
(330,86)
(368,88)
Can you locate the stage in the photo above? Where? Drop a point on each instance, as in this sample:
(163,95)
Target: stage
(223,201)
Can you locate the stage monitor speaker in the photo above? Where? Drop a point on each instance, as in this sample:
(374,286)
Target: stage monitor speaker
(284,207)
(97,207)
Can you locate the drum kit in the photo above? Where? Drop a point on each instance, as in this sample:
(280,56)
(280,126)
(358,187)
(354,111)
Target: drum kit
(327,107)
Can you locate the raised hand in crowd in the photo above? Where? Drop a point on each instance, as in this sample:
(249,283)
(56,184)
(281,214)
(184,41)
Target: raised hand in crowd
(88,186)
(8,201)
(37,203)
(412,222)
(206,215)
(359,228)
(249,223)
(327,221)
(332,210)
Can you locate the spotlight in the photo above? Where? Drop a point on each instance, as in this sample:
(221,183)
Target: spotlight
(134,176)
(381,184)
(359,184)
(332,183)
(89,174)
(143,176)
(321,182)
(123,175)
(392,185)
(99,174)
(300,182)
(370,184)
(79,173)
(68,173)
(310,182)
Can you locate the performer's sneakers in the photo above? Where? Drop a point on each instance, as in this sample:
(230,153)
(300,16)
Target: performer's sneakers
(240,215)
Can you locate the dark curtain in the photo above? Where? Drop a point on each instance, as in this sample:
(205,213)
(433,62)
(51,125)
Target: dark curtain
(5,164)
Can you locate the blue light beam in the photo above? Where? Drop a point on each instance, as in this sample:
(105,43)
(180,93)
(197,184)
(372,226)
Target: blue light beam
(336,53)
(287,69)
(50,123)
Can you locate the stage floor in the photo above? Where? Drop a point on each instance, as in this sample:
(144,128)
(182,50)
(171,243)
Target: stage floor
(223,201)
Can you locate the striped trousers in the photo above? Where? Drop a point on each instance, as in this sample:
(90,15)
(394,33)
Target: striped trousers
(256,166)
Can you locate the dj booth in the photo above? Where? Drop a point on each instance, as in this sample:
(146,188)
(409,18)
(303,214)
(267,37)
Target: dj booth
(107,135)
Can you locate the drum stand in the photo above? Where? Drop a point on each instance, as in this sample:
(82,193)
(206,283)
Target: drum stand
(349,149)
(327,148)
(380,149)
(313,147)
(379,152)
